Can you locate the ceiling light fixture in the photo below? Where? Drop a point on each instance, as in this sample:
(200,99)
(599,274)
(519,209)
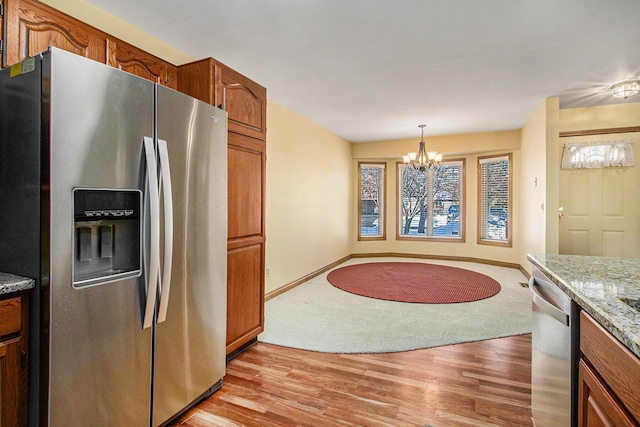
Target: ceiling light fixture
(423,160)
(625,89)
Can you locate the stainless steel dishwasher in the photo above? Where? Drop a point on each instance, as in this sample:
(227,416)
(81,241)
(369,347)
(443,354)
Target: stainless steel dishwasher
(554,354)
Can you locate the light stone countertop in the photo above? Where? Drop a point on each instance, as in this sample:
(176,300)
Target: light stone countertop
(598,284)
(10,283)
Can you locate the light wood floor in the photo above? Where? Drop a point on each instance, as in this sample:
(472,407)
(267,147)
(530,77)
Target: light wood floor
(486,383)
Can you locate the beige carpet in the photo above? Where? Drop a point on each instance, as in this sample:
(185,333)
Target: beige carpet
(317,316)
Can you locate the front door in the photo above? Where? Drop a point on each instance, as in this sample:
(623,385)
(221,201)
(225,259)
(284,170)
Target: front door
(600,213)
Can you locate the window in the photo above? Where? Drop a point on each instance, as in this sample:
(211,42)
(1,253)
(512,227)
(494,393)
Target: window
(371,203)
(601,154)
(494,198)
(431,203)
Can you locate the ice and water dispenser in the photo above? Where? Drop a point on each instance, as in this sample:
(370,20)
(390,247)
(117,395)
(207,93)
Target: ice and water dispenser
(107,235)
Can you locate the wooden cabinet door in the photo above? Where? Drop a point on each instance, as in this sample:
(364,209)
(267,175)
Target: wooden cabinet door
(13,366)
(246,162)
(596,406)
(197,79)
(13,385)
(244,100)
(31,27)
(128,58)
(245,295)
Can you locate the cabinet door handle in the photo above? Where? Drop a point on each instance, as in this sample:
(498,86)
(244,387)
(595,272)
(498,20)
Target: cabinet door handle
(24,358)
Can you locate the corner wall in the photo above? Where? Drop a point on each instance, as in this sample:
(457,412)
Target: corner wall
(309,197)
(539,190)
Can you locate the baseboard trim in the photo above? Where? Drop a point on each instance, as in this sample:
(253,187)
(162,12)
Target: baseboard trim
(310,276)
(241,349)
(439,257)
(301,280)
(525,272)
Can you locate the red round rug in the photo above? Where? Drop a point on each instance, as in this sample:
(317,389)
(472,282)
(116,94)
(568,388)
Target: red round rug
(414,282)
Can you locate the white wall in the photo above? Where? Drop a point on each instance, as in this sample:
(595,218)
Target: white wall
(552,156)
(309,196)
(533,186)
(603,117)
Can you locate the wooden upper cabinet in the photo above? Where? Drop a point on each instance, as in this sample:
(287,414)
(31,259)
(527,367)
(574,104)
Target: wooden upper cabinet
(32,27)
(197,79)
(244,100)
(128,58)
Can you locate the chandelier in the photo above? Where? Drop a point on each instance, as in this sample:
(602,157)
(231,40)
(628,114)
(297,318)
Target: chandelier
(423,160)
(625,89)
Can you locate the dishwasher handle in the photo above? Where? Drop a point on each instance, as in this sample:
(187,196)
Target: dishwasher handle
(545,305)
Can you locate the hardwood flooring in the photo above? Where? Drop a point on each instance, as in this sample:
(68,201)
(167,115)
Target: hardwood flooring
(485,383)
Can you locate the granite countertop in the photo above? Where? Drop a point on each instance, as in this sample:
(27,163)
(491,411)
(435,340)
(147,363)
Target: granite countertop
(10,283)
(598,284)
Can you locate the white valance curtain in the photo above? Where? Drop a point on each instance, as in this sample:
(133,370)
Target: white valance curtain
(601,154)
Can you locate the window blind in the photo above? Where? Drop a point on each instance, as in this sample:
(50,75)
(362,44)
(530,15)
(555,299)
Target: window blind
(494,198)
(371,200)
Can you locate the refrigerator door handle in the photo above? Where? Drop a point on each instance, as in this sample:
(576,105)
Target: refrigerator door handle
(154,247)
(165,174)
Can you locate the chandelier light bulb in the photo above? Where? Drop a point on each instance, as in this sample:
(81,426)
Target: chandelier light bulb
(625,89)
(423,160)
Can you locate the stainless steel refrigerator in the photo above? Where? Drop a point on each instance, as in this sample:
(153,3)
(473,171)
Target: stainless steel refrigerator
(113,198)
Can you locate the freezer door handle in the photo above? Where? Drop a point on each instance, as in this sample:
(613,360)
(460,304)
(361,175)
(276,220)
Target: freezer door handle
(545,305)
(154,219)
(165,283)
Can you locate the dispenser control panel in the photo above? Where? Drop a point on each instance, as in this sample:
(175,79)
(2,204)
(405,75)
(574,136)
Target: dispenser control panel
(108,235)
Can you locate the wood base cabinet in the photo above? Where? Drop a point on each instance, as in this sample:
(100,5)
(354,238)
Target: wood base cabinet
(245,102)
(609,379)
(13,360)
(598,407)
(245,308)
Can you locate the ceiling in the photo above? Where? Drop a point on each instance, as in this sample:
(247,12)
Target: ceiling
(371,70)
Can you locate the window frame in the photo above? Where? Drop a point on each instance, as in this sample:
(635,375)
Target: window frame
(461,215)
(509,223)
(382,206)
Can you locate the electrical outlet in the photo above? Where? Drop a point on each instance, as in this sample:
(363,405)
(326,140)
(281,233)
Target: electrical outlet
(268,271)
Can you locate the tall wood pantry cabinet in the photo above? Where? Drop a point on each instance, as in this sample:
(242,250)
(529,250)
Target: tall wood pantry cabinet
(245,102)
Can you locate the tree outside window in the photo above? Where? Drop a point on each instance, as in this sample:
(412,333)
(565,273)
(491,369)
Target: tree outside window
(371,202)
(430,202)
